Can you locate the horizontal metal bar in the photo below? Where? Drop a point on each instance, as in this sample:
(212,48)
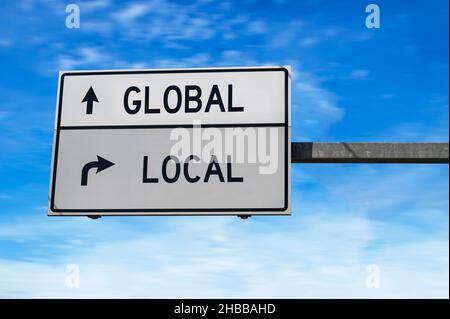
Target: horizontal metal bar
(342,152)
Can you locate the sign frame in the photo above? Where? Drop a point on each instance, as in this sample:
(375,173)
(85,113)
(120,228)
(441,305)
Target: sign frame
(277,211)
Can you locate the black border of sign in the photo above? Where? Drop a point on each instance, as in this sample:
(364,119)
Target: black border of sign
(176,211)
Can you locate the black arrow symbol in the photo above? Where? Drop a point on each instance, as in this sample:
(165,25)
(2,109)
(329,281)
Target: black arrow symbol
(90,98)
(101,164)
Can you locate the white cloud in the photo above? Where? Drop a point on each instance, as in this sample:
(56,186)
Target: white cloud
(133,11)
(359,74)
(308,256)
(6,43)
(238,58)
(104,28)
(174,24)
(416,132)
(197,60)
(315,106)
(84,56)
(257,27)
(291,31)
(96,57)
(4,196)
(309,42)
(26,4)
(94,5)
(99,57)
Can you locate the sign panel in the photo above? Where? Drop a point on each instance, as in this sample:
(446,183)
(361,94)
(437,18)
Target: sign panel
(172,142)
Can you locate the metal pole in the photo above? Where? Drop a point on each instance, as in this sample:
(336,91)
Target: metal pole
(343,152)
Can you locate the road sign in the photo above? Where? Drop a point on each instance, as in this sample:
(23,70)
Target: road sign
(172,142)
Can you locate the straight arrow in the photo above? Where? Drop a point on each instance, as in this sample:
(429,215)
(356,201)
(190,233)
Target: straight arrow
(89,98)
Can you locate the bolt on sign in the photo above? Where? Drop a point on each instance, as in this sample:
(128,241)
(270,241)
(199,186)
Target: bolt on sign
(172,142)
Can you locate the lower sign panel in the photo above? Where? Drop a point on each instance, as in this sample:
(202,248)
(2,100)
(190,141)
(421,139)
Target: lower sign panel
(163,171)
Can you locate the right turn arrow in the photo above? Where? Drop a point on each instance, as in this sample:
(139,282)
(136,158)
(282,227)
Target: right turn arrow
(90,98)
(101,164)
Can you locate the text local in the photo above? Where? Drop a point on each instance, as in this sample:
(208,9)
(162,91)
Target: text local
(189,99)
(214,170)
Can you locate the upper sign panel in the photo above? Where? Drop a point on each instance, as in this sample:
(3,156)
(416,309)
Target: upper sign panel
(163,97)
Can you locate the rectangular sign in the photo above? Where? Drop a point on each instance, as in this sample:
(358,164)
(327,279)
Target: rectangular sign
(172,142)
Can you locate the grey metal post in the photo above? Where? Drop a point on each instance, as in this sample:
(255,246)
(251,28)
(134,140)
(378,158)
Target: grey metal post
(343,152)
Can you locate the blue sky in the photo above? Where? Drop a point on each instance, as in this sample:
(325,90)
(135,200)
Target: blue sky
(349,83)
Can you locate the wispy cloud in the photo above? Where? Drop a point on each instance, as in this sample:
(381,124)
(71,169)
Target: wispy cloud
(257,27)
(359,74)
(3,114)
(94,5)
(309,42)
(318,106)
(197,60)
(6,43)
(4,196)
(133,11)
(225,257)
(84,57)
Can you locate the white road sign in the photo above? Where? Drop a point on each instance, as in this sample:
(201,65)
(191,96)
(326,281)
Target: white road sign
(172,142)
